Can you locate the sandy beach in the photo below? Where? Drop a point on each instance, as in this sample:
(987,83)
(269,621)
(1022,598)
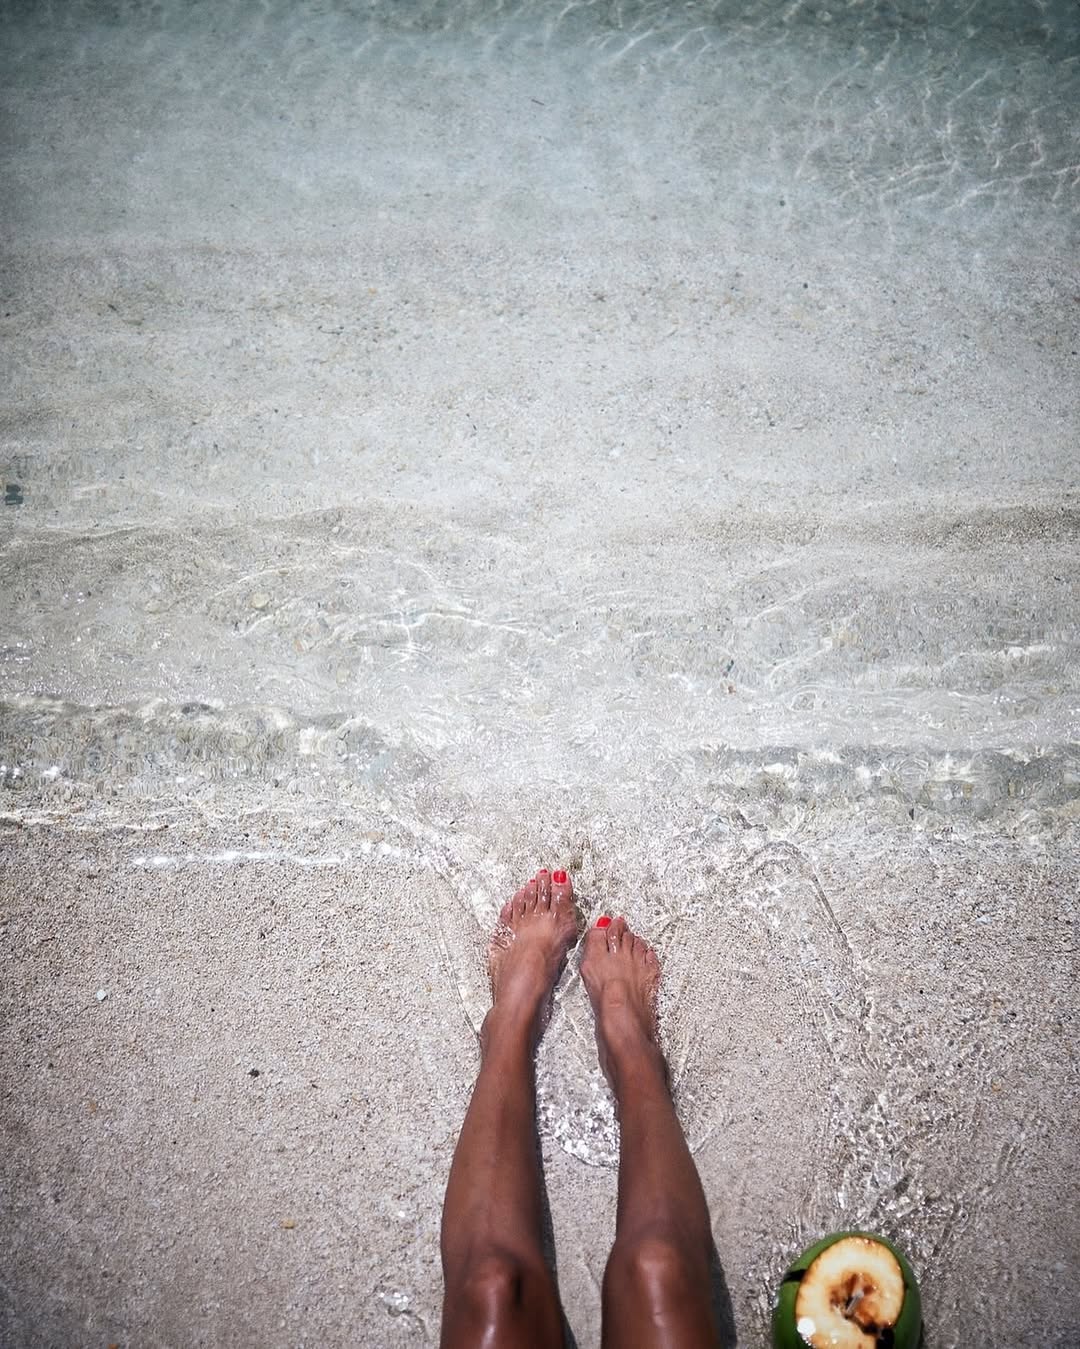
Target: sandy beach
(444,440)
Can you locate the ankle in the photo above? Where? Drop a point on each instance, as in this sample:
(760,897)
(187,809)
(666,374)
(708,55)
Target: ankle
(631,1058)
(510,1027)
(623,1022)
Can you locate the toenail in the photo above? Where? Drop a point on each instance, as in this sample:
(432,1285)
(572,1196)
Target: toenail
(543,871)
(603,921)
(559,877)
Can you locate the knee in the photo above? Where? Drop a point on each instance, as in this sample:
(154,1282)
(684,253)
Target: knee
(662,1264)
(500,1288)
(494,1284)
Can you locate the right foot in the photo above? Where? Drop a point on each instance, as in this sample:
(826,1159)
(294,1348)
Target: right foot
(622,976)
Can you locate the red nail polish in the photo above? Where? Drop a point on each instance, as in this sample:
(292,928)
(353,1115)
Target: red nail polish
(603,921)
(559,877)
(542,872)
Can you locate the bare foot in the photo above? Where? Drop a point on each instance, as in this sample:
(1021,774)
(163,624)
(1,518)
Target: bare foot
(622,975)
(535,930)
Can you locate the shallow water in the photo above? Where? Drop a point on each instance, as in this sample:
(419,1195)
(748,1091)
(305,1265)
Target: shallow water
(629,435)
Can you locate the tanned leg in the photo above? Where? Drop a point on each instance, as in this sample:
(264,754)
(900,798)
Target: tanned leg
(499,1291)
(656,1291)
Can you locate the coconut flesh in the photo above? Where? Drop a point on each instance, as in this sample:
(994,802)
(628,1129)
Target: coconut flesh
(850,1295)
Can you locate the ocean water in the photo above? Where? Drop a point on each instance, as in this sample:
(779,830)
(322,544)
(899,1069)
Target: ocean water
(639,436)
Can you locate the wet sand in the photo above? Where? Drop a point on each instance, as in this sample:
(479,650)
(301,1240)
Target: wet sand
(247,1138)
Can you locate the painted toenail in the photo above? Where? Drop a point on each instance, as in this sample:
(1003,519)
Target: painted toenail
(559,877)
(543,871)
(603,921)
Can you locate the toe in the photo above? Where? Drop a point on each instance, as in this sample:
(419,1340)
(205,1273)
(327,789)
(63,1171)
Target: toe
(521,901)
(595,944)
(543,889)
(528,890)
(562,892)
(507,912)
(616,934)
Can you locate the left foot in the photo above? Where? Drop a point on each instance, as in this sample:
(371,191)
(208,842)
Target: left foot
(535,930)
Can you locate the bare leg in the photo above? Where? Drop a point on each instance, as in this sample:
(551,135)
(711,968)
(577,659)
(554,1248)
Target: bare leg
(656,1286)
(499,1290)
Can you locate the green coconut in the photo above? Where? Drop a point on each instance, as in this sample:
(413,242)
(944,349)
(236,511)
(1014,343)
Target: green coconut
(851,1290)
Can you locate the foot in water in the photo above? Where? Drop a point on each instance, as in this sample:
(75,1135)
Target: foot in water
(622,975)
(536,929)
